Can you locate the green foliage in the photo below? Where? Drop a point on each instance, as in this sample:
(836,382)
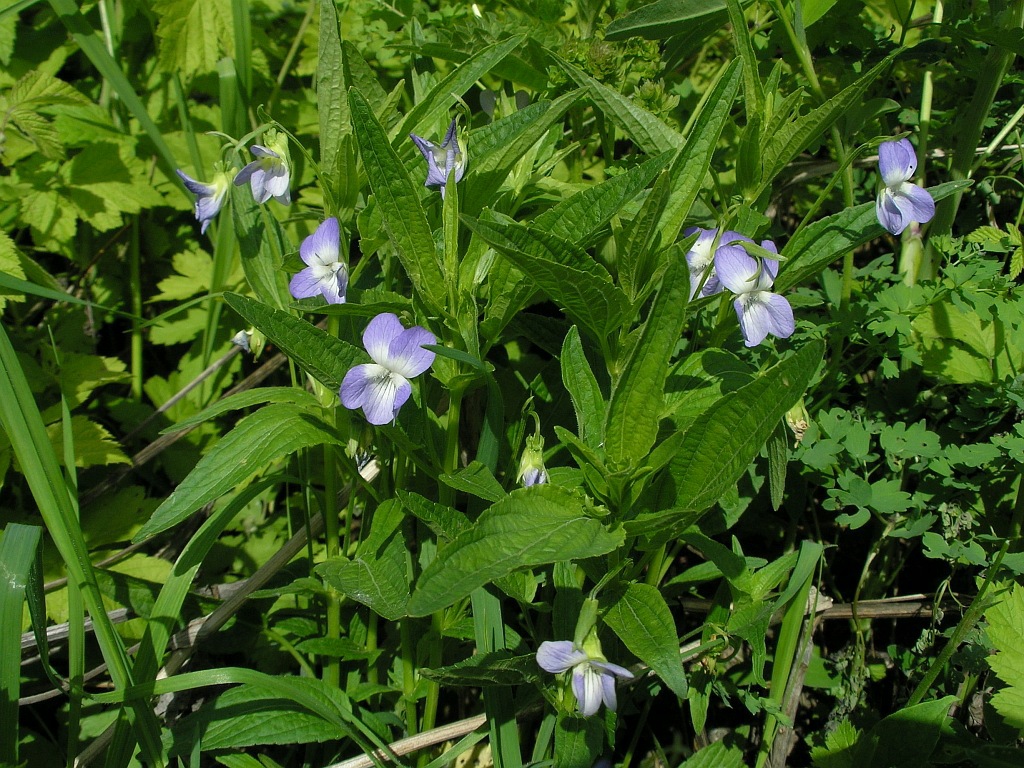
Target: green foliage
(1005,622)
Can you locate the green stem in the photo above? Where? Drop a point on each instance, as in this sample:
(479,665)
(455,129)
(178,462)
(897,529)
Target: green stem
(332,538)
(135,280)
(408,675)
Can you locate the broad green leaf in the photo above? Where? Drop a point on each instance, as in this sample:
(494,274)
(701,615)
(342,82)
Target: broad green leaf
(579,217)
(1005,629)
(664,18)
(753,88)
(193,34)
(819,244)
(720,445)
(248,399)
(635,409)
(476,479)
(398,199)
(324,357)
(427,114)
(531,526)
(636,263)
(495,149)
(444,521)
(813,10)
(18,554)
(94,445)
(643,621)
(578,740)
(263,245)
(645,129)
(258,440)
(785,144)
(690,167)
(906,738)
(483,669)
(377,579)
(583,389)
(331,100)
(247,716)
(716,755)
(568,275)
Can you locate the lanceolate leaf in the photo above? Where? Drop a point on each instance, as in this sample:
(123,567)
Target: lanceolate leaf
(691,165)
(645,129)
(262,244)
(636,402)
(375,579)
(532,526)
(398,198)
(331,98)
(663,18)
(579,217)
(720,445)
(819,244)
(570,278)
(324,357)
(259,440)
(784,145)
(643,621)
(583,389)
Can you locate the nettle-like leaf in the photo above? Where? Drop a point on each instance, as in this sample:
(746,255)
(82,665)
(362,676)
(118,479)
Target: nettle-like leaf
(1005,630)
(530,527)
(22,105)
(193,34)
(10,263)
(252,446)
(643,621)
(94,445)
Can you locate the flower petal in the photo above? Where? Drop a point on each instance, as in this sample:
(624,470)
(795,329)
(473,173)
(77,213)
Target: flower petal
(305,285)
(450,133)
(194,186)
(559,656)
(246,173)
(373,388)
(406,354)
(260,151)
(897,161)
(379,333)
(614,669)
(335,286)
(357,383)
(736,268)
(888,213)
(586,685)
(915,203)
(761,313)
(608,692)
(323,245)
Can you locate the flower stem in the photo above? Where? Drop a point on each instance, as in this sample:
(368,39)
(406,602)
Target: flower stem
(408,675)
(332,538)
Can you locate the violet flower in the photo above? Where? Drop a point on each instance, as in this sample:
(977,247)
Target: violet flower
(382,387)
(900,201)
(270,173)
(531,466)
(325,273)
(701,260)
(443,159)
(593,678)
(209,197)
(760,311)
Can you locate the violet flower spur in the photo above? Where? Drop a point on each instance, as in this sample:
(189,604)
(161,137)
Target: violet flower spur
(443,159)
(209,197)
(760,311)
(593,679)
(900,201)
(270,173)
(382,387)
(325,273)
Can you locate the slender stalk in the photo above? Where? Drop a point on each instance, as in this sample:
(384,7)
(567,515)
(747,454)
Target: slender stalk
(332,537)
(135,285)
(408,675)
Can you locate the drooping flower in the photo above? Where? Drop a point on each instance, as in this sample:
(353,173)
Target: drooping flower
(325,273)
(900,201)
(209,197)
(760,311)
(593,677)
(270,173)
(442,159)
(531,466)
(382,387)
(701,260)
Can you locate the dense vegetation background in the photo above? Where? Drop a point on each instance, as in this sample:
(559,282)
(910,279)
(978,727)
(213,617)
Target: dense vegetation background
(652,429)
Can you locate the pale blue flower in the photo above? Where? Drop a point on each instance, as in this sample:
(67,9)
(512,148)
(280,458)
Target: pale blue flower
(760,311)
(900,201)
(270,173)
(443,159)
(531,466)
(593,678)
(382,387)
(700,260)
(325,273)
(209,197)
